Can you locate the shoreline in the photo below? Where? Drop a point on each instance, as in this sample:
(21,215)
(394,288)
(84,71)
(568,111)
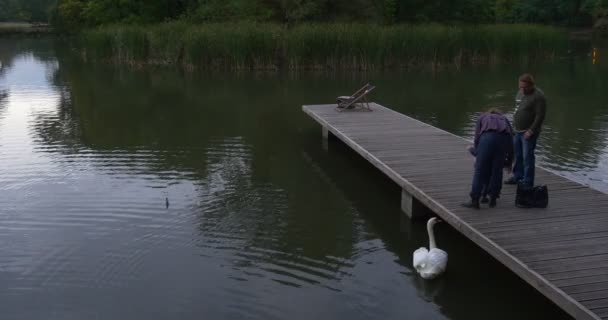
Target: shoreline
(24,28)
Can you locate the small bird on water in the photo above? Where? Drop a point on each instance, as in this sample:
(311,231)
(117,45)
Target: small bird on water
(167,203)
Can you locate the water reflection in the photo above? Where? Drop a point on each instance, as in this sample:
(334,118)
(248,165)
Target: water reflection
(571,141)
(574,136)
(105,157)
(260,216)
(454,293)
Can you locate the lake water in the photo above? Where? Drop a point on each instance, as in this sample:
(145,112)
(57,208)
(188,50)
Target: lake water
(161,194)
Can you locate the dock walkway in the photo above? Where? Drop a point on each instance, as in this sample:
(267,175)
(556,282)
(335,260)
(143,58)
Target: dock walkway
(562,250)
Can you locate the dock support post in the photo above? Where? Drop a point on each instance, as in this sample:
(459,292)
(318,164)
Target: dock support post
(412,207)
(325,143)
(325,132)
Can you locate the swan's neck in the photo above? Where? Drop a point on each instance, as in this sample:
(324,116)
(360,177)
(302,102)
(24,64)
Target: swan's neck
(429,228)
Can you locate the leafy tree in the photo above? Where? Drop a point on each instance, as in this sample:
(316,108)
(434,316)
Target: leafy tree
(293,11)
(221,10)
(69,14)
(562,12)
(26,10)
(77,13)
(503,10)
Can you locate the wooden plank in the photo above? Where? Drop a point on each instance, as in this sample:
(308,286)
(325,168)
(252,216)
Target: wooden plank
(593,295)
(556,239)
(547,221)
(577,281)
(585,288)
(545,236)
(596,304)
(590,249)
(552,239)
(564,242)
(595,273)
(565,265)
(543,227)
(601,312)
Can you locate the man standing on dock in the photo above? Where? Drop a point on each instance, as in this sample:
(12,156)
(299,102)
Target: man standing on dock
(528,119)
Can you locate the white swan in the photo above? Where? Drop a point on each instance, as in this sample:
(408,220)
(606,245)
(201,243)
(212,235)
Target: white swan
(430,264)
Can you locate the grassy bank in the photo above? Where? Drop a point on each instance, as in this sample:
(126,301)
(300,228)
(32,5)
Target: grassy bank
(320,46)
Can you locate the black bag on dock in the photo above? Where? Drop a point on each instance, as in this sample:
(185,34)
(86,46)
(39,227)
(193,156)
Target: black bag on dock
(531,197)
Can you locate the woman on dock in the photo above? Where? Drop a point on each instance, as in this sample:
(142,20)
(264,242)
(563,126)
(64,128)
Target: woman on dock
(493,151)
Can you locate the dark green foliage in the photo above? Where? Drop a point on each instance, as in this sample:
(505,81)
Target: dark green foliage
(26,10)
(73,14)
(551,11)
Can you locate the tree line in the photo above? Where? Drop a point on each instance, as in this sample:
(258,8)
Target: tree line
(69,14)
(26,10)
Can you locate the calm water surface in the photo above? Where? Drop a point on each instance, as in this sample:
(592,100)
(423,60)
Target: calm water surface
(262,223)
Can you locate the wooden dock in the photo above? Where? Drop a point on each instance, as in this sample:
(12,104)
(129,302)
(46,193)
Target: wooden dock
(562,250)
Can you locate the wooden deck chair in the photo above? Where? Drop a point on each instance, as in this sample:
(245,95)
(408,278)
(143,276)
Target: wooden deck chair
(359,97)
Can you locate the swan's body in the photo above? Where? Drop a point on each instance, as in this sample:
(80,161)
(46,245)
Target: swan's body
(432,262)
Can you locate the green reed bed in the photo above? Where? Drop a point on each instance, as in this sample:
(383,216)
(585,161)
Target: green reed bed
(320,46)
(233,46)
(22,28)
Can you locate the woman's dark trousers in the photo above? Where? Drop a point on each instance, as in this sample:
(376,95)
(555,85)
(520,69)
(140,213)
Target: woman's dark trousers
(489,163)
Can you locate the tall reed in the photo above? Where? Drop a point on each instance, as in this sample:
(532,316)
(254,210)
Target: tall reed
(321,46)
